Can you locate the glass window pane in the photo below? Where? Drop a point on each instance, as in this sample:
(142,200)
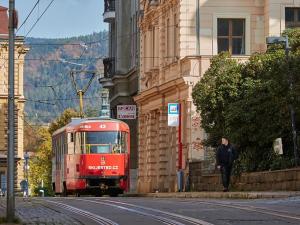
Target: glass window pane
(298,15)
(238,46)
(289,14)
(238,27)
(223,45)
(223,27)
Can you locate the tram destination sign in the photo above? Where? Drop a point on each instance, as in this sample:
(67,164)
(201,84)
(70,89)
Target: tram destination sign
(126,112)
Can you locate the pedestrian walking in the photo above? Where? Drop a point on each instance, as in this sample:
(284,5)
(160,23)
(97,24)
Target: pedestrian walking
(225,157)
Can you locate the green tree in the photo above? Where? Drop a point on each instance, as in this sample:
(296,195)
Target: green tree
(63,120)
(249,103)
(40,165)
(214,92)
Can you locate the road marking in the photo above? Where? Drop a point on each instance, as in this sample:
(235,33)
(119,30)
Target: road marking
(173,215)
(101,220)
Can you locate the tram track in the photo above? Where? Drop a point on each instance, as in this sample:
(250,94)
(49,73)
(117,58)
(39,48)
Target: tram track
(141,210)
(255,209)
(261,210)
(99,219)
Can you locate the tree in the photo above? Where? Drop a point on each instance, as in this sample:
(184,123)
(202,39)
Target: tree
(214,92)
(63,120)
(249,103)
(260,114)
(40,165)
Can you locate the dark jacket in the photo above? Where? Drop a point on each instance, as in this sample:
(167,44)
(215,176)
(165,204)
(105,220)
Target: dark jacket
(225,155)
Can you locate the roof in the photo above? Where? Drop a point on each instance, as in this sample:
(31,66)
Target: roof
(77,121)
(3,21)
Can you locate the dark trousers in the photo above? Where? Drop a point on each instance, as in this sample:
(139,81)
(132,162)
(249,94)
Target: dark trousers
(226,173)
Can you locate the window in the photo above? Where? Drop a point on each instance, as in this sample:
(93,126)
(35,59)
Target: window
(292,17)
(175,37)
(231,36)
(104,142)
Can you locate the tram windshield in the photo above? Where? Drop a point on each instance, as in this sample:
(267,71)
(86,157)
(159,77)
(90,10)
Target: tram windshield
(114,142)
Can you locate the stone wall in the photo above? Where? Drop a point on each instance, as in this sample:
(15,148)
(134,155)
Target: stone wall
(280,180)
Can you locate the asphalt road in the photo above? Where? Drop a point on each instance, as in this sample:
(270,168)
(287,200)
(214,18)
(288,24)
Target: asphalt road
(153,211)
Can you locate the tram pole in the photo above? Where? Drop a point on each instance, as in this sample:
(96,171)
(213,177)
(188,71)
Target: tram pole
(10,208)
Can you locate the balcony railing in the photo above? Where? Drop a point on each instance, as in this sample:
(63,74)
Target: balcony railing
(109,5)
(109,67)
(109,71)
(109,11)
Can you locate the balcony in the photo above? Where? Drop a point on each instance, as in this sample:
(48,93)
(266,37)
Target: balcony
(109,14)
(109,71)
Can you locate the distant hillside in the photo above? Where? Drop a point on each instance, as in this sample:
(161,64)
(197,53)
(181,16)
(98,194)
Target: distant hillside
(49,62)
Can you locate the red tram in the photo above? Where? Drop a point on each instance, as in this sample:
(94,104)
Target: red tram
(91,156)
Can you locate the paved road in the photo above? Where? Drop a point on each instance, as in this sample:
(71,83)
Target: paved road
(153,211)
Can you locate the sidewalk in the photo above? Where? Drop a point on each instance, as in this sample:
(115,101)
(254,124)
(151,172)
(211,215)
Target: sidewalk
(225,195)
(34,212)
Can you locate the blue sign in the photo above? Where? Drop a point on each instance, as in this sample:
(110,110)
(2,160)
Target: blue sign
(173,114)
(173,108)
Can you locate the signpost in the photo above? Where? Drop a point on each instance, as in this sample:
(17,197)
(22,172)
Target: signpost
(174,120)
(173,114)
(126,112)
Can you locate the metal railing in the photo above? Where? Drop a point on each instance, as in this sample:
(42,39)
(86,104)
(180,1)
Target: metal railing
(109,5)
(109,67)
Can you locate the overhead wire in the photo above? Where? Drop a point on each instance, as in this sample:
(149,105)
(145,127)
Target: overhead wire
(39,18)
(29,14)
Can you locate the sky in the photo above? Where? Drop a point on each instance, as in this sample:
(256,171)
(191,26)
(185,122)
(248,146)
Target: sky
(64,18)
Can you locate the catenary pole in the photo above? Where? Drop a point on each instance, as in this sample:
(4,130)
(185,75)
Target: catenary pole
(10,209)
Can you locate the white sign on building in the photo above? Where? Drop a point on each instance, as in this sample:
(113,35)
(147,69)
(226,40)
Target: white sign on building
(126,112)
(173,114)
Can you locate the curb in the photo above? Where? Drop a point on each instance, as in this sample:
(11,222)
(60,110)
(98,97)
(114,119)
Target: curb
(226,195)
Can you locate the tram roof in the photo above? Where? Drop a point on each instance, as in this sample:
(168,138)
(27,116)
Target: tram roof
(77,121)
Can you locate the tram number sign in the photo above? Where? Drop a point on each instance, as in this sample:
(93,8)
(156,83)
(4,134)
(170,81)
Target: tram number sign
(126,112)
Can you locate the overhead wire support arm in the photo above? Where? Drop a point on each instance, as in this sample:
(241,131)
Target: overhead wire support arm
(80,92)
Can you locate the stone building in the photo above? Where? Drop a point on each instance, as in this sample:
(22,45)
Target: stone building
(178,38)
(121,65)
(20,100)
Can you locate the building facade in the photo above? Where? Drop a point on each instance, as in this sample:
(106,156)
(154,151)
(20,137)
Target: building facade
(121,66)
(178,39)
(20,53)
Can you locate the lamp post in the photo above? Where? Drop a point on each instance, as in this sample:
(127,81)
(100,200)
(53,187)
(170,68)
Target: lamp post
(285,41)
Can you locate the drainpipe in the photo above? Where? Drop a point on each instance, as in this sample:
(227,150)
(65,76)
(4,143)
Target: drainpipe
(198,27)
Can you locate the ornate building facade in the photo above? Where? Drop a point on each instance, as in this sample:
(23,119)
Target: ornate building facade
(20,100)
(178,38)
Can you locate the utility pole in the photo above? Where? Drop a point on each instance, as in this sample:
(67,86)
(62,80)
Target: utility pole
(80,92)
(291,106)
(10,204)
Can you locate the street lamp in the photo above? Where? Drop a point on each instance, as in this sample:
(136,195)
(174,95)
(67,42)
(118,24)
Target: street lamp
(285,41)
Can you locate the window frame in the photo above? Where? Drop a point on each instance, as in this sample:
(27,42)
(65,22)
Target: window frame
(232,15)
(296,22)
(230,37)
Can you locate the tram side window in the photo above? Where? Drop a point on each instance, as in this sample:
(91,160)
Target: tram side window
(123,142)
(71,137)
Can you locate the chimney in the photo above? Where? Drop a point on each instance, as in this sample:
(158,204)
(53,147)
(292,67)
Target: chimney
(3,21)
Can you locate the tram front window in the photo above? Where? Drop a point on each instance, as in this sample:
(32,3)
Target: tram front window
(104,143)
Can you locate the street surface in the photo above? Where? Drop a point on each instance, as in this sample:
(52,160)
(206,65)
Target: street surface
(154,211)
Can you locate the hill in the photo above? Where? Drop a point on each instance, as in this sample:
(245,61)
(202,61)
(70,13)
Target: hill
(47,81)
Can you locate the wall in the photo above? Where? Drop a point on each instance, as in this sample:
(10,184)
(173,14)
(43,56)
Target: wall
(281,180)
